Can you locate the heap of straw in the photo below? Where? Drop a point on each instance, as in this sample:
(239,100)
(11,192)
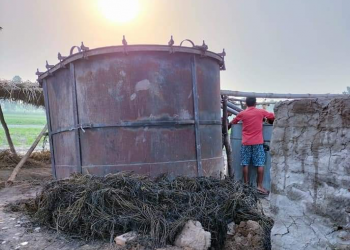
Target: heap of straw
(27,92)
(37,159)
(104,207)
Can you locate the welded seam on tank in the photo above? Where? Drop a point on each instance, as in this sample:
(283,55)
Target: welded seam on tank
(48,119)
(76,116)
(150,163)
(137,124)
(196,116)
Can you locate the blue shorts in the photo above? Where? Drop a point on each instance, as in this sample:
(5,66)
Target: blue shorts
(254,154)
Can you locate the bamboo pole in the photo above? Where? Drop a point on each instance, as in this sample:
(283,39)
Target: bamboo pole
(24,159)
(226,138)
(277,96)
(7,132)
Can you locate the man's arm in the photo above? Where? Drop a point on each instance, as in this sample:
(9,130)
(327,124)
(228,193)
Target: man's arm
(237,119)
(268,115)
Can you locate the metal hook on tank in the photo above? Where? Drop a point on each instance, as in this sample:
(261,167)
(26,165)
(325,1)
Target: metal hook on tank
(187,40)
(72,50)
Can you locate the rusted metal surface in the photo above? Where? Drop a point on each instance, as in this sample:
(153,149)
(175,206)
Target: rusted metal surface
(47,109)
(146,109)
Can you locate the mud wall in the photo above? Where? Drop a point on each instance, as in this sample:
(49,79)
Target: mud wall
(310,174)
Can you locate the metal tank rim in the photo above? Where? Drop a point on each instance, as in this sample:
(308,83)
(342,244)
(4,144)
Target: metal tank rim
(125,49)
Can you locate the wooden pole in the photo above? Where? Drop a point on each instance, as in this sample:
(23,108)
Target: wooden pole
(277,96)
(7,132)
(24,159)
(226,137)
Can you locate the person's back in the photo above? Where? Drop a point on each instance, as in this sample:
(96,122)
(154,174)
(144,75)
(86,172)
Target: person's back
(252,149)
(252,119)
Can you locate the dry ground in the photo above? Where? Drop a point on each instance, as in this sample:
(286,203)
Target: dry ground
(15,228)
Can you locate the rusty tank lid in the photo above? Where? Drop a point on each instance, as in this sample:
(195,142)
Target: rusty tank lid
(84,52)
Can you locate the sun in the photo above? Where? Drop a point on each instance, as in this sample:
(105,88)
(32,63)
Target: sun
(120,11)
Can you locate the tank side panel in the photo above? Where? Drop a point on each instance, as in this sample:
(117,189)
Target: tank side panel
(208,76)
(136,87)
(60,96)
(65,154)
(138,147)
(60,91)
(139,87)
(208,80)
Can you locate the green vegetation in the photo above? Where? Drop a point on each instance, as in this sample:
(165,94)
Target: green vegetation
(25,119)
(21,137)
(24,122)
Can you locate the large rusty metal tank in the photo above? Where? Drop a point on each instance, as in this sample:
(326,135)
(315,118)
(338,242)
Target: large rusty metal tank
(151,109)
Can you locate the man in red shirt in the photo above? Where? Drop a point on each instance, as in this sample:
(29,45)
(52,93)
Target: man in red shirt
(252,149)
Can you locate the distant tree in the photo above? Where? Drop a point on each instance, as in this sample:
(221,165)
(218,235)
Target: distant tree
(347,92)
(17,79)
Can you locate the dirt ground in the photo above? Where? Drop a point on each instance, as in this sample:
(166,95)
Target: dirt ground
(17,232)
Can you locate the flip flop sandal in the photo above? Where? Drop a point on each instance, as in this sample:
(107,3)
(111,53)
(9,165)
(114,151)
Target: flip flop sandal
(263,193)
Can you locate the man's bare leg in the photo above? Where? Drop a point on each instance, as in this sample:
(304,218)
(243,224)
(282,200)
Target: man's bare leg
(245,174)
(260,180)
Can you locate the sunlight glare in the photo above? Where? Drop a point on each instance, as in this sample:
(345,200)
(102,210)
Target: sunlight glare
(120,11)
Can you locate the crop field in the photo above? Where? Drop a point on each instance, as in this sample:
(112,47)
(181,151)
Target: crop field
(24,128)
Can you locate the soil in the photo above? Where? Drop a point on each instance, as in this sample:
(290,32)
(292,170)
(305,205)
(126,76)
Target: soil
(16,230)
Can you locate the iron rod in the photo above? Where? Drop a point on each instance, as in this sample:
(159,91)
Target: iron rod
(277,96)
(231,105)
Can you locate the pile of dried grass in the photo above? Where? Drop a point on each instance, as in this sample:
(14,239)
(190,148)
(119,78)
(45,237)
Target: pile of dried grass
(37,159)
(41,156)
(103,207)
(28,92)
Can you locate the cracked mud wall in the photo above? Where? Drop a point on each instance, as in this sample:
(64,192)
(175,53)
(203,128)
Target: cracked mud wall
(310,174)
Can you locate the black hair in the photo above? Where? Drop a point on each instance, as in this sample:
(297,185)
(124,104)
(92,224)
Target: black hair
(250,101)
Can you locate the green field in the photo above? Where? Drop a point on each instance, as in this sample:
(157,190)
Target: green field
(24,128)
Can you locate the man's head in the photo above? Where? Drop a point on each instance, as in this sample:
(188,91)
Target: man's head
(250,101)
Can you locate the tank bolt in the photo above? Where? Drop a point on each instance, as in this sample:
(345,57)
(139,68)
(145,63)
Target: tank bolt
(125,43)
(38,73)
(171,43)
(223,53)
(60,57)
(48,66)
(83,47)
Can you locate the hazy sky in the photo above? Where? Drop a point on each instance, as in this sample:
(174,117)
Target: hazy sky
(272,45)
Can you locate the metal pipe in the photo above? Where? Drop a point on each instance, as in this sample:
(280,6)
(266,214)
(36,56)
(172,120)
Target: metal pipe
(277,96)
(232,106)
(232,111)
(232,99)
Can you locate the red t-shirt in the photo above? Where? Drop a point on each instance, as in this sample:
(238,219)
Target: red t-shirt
(252,119)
